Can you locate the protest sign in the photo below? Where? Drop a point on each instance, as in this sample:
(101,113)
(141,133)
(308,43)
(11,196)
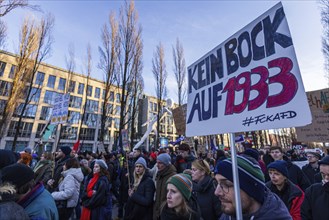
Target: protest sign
(249,82)
(60,109)
(318,131)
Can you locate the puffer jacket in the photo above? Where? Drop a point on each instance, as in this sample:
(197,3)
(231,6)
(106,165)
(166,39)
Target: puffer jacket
(70,186)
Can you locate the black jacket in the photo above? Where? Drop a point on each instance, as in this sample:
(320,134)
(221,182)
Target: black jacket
(140,204)
(309,172)
(209,203)
(297,176)
(315,205)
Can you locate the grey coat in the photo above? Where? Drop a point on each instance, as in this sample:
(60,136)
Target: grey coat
(70,186)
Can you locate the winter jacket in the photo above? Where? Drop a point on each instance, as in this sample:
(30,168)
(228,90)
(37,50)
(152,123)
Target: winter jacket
(39,204)
(8,208)
(315,205)
(69,188)
(291,195)
(57,173)
(297,176)
(272,208)
(184,163)
(43,170)
(140,203)
(161,188)
(310,172)
(98,203)
(209,203)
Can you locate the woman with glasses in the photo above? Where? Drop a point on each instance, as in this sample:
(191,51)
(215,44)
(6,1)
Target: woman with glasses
(179,204)
(140,202)
(203,189)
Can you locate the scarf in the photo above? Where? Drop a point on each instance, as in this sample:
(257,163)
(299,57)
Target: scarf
(34,193)
(86,213)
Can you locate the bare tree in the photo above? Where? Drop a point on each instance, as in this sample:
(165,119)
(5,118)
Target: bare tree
(109,65)
(324,4)
(35,46)
(70,66)
(180,71)
(129,34)
(3,34)
(160,76)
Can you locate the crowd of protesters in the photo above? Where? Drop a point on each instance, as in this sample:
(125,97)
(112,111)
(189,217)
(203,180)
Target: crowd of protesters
(164,184)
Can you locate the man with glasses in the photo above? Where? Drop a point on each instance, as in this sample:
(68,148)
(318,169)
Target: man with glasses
(316,201)
(312,168)
(257,201)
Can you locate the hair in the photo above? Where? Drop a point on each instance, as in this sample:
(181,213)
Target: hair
(104,172)
(185,209)
(276,148)
(137,179)
(48,155)
(72,163)
(202,165)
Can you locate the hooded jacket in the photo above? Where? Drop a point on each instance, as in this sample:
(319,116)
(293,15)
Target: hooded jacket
(69,188)
(272,208)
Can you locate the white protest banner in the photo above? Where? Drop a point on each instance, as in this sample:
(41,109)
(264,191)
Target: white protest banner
(318,131)
(249,82)
(60,109)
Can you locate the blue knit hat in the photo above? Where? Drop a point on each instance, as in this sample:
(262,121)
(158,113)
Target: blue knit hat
(251,177)
(280,166)
(164,158)
(141,161)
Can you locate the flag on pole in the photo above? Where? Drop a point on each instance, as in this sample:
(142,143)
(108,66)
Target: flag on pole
(213,144)
(76,146)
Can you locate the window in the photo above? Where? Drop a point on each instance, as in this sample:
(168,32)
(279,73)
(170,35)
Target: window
(118,97)
(39,130)
(73,117)
(39,78)
(81,88)
(61,84)
(89,90)
(25,130)
(103,95)
(46,113)
(111,96)
(35,95)
(12,72)
(91,105)
(51,81)
(97,92)
(2,105)
(88,134)
(116,123)
(2,67)
(72,86)
(69,133)
(118,110)
(20,145)
(90,120)
(49,97)
(5,87)
(75,102)
(109,109)
(106,135)
(30,111)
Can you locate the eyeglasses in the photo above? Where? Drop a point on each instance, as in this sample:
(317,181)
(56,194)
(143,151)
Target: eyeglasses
(224,186)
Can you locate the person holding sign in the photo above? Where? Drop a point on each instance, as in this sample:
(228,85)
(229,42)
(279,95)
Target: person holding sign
(257,201)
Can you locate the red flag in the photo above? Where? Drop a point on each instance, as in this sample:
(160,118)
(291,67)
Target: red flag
(76,146)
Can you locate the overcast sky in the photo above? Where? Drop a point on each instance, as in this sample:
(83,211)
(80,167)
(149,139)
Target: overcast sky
(200,26)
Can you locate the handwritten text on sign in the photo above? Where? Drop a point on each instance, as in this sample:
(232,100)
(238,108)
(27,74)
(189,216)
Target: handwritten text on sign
(249,82)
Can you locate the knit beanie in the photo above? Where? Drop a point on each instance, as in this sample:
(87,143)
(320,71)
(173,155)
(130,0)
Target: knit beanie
(101,163)
(164,158)
(252,153)
(324,160)
(66,150)
(251,176)
(280,166)
(28,150)
(7,157)
(17,174)
(141,161)
(183,183)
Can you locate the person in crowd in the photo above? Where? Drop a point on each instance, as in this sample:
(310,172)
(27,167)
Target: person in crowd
(62,156)
(312,168)
(179,205)
(9,209)
(267,158)
(26,159)
(7,157)
(184,159)
(165,171)
(295,174)
(315,205)
(141,194)
(203,189)
(43,169)
(153,160)
(33,197)
(289,193)
(257,201)
(123,189)
(254,153)
(97,193)
(67,196)
(211,161)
